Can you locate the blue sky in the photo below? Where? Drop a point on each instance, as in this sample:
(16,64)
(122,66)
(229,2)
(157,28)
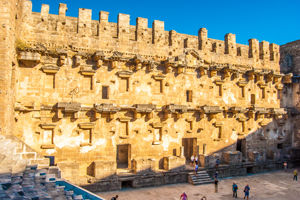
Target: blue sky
(276,21)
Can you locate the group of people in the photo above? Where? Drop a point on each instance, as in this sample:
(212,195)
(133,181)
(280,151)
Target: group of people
(235,188)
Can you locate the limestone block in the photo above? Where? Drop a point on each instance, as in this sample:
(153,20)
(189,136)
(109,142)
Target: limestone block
(174,163)
(208,161)
(232,158)
(104,169)
(69,169)
(143,165)
(253,156)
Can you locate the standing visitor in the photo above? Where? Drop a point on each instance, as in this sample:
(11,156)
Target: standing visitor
(216,174)
(295,175)
(234,190)
(217,163)
(216,185)
(192,160)
(285,166)
(246,191)
(183,196)
(196,160)
(196,168)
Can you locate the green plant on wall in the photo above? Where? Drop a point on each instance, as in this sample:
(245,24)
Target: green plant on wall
(21,45)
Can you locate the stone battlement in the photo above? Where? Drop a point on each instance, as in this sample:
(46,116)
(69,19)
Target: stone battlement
(85,34)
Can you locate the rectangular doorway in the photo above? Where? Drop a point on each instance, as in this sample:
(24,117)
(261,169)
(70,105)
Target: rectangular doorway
(123,155)
(190,148)
(241,146)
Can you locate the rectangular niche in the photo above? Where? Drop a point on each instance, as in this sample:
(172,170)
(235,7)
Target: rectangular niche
(157,135)
(123,129)
(47,139)
(189,96)
(124,85)
(87,83)
(157,87)
(86,137)
(50,81)
(105,92)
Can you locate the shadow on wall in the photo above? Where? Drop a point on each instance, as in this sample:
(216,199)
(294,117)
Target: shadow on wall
(268,144)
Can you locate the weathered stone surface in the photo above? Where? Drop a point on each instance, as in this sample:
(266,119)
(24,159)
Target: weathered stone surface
(103,98)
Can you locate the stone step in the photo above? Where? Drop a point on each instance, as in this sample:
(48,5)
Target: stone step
(199,178)
(203,182)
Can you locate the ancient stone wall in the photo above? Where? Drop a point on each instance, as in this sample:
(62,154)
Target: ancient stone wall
(8,64)
(104,98)
(290,64)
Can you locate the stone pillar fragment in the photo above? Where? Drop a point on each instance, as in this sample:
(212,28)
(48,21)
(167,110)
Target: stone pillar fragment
(123,27)
(103,30)
(158,36)
(230,44)
(202,38)
(264,51)
(173,38)
(62,10)
(141,29)
(44,12)
(274,52)
(253,48)
(84,22)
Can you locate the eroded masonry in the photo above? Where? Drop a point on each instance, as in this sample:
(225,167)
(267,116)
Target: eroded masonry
(102,98)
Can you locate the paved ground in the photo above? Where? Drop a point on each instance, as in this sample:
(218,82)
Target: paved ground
(276,186)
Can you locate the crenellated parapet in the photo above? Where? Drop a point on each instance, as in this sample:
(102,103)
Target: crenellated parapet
(61,31)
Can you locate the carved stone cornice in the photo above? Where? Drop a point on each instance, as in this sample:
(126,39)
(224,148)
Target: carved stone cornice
(47,126)
(174,108)
(212,109)
(50,69)
(69,107)
(278,111)
(144,108)
(29,59)
(106,108)
(87,125)
(87,70)
(124,74)
(242,83)
(158,77)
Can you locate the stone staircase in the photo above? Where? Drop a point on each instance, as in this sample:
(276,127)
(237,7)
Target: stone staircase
(15,155)
(201,177)
(34,184)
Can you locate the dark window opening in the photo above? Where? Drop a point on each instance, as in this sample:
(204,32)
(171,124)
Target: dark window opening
(250,170)
(280,146)
(189,96)
(127,184)
(51,159)
(105,92)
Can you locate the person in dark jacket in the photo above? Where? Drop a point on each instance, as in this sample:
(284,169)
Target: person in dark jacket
(234,190)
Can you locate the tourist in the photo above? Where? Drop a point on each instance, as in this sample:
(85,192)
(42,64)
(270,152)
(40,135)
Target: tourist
(192,160)
(196,160)
(246,191)
(196,168)
(183,196)
(234,190)
(217,163)
(115,198)
(216,174)
(216,185)
(295,175)
(285,166)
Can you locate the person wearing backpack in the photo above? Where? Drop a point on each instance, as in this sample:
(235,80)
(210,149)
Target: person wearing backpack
(234,190)
(246,191)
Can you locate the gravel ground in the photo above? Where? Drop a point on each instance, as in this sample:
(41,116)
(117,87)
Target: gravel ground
(275,185)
